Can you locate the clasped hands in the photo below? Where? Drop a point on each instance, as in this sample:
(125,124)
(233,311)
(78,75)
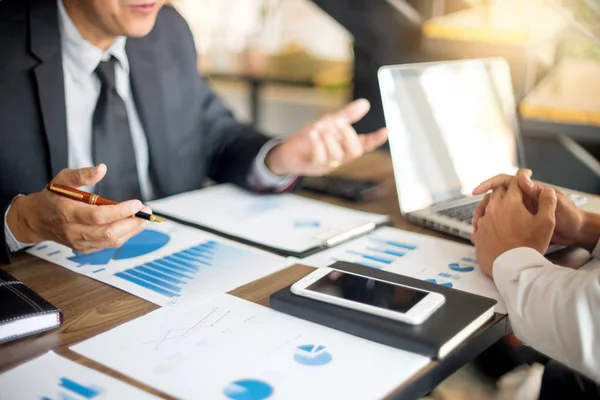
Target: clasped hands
(519,212)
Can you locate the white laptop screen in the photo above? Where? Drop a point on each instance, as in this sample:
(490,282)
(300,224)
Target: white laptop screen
(452,125)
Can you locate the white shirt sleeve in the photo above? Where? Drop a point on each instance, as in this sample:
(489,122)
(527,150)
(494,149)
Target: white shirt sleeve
(12,242)
(553,309)
(260,177)
(596,251)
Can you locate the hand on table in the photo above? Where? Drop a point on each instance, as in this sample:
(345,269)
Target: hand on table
(46,216)
(505,221)
(320,147)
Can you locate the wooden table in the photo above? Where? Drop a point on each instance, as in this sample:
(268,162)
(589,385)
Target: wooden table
(91,307)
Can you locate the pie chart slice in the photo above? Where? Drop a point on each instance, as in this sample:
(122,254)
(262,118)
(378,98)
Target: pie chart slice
(248,389)
(458,267)
(312,355)
(445,284)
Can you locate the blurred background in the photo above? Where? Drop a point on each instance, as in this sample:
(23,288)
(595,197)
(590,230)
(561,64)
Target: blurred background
(281,63)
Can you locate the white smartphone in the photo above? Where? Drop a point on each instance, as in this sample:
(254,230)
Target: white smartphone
(370,295)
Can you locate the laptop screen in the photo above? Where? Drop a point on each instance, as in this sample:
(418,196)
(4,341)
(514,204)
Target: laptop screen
(452,125)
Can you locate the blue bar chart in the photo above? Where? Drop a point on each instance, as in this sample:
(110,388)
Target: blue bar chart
(376,252)
(87,392)
(169,263)
(167,276)
(52,377)
(170,275)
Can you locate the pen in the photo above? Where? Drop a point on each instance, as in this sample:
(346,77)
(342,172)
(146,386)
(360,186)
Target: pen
(93,199)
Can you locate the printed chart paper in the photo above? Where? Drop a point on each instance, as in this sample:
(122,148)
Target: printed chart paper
(169,263)
(282,221)
(51,377)
(228,348)
(423,257)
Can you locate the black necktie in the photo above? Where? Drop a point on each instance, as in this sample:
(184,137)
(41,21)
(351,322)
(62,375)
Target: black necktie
(111,140)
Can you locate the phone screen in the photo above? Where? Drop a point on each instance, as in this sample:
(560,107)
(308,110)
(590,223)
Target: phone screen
(368,291)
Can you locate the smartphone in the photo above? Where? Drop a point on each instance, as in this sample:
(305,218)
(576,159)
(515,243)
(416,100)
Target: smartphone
(349,189)
(370,295)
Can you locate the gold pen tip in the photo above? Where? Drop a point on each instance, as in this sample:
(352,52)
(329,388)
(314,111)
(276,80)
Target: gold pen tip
(154,218)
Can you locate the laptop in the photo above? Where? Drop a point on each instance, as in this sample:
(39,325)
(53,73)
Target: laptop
(452,125)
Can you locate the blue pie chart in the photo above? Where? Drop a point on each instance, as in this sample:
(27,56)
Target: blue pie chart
(446,284)
(248,389)
(143,243)
(459,267)
(312,355)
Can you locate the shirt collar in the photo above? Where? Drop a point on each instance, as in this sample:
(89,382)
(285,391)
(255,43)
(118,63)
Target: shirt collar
(83,53)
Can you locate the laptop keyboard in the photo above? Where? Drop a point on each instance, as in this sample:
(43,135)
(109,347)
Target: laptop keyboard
(463,212)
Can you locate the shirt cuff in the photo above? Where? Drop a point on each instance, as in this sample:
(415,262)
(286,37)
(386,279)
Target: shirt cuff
(596,251)
(509,265)
(261,178)
(13,244)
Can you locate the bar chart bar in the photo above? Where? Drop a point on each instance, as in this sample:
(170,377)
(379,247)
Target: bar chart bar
(81,390)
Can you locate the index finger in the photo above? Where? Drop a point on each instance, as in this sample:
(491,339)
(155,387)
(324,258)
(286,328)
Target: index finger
(514,188)
(497,181)
(354,111)
(492,183)
(102,215)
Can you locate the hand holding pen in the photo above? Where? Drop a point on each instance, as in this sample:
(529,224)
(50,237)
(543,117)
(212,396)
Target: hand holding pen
(45,215)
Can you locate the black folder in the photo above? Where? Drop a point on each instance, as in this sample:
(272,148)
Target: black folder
(22,311)
(450,325)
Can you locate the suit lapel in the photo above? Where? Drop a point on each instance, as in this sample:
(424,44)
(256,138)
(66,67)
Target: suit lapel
(147,87)
(45,44)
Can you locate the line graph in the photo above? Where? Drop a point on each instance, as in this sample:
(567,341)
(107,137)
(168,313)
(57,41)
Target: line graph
(204,322)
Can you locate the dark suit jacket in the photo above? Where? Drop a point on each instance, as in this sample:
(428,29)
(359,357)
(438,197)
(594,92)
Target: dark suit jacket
(191,134)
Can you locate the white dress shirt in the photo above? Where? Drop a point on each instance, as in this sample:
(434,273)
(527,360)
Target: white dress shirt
(553,309)
(82,89)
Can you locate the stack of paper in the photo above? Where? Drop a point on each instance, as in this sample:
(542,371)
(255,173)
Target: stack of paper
(232,349)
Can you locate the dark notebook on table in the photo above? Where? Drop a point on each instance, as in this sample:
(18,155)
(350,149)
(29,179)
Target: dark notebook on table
(449,326)
(22,311)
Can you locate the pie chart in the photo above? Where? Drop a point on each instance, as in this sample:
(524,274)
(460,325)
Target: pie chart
(445,284)
(312,355)
(143,243)
(461,267)
(248,389)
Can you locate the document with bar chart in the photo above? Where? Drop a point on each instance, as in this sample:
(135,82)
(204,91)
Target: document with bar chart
(51,377)
(228,348)
(287,223)
(168,263)
(419,256)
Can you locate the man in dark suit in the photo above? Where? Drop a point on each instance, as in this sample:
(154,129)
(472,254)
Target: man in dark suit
(105,95)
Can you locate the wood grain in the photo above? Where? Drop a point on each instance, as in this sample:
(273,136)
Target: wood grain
(91,307)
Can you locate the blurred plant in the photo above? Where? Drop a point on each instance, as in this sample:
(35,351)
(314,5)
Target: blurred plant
(587,11)
(584,42)
(268,8)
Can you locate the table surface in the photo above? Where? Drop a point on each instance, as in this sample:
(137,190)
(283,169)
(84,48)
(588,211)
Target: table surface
(91,307)
(519,24)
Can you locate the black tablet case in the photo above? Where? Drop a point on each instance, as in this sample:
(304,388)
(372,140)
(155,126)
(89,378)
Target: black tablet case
(459,310)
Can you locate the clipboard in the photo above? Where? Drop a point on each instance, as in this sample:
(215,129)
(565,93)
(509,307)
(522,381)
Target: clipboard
(327,243)
(286,224)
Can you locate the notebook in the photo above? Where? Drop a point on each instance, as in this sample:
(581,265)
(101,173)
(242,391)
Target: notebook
(285,223)
(22,311)
(449,326)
